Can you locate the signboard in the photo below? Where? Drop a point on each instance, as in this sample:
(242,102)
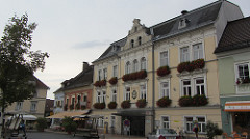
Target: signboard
(237,106)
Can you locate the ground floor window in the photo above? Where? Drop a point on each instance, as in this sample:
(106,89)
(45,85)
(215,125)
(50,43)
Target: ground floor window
(112,121)
(241,122)
(165,122)
(100,122)
(189,120)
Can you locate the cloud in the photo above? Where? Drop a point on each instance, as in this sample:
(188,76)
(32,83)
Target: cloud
(92,44)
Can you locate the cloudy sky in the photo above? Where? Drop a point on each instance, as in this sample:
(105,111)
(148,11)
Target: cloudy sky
(73,31)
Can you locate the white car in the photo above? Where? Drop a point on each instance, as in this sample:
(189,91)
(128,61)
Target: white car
(163,134)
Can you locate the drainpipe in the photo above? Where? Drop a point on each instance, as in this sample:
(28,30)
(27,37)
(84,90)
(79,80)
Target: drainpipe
(153,83)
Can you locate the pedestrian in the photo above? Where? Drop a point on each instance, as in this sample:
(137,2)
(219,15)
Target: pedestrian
(22,127)
(195,128)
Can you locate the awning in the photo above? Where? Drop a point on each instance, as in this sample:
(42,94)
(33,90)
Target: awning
(68,113)
(237,106)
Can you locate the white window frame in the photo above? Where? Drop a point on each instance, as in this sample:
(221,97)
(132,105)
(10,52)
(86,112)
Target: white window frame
(135,65)
(114,95)
(112,121)
(186,87)
(126,93)
(127,67)
(105,73)
(143,91)
(164,60)
(99,74)
(19,106)
(167,89)
(199,51)
(33,105)
(237,72)
(101,122)
(115,71)
(195,117)
(200,86)
(182,23)
(143,63)
(185,56)
(165,122)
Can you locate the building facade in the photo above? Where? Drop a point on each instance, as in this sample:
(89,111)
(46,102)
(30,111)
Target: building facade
(234,56)
(164,76)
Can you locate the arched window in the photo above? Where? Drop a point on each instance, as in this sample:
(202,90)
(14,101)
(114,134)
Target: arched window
(140,40)
(135,66)
(143,63)
(127,68)
(132,43)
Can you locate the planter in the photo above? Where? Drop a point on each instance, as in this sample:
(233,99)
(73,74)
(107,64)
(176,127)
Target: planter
(164,102)
(185,101)
(134,76)
(191,66)
(242,81)
(141,103)
(100,83)
(99,105)
(199,63)
(199,100)
(113,81)
(163,71)
(126,104)
(112,105)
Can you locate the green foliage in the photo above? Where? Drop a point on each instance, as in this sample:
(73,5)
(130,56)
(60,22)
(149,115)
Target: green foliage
(18,63)
(69,124)
(212,130)
(41,123)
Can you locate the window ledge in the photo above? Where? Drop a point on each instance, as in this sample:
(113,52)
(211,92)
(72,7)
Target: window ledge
(164,77)
(195,72)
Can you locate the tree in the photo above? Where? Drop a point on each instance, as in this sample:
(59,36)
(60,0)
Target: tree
(18,63)
(212,130)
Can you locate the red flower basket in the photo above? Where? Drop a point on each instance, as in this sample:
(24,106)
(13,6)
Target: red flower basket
(164,102)
(99,105)
(199,63)
(163,71)
(126,104)
(185,101)
(100,83)
(200,100)
(113,81)
(141,103)
(134,76)
(191,66)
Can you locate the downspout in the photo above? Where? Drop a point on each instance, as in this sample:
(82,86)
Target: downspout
(153,82)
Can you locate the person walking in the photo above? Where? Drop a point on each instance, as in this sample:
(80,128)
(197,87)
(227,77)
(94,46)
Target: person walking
(195,128)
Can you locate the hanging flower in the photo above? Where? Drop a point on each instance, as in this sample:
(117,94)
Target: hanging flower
(126,104)
(163,102)
(112,105)
(163,71)
(134,76)
(99,105)
(141,103)
(113,81)
(100,83)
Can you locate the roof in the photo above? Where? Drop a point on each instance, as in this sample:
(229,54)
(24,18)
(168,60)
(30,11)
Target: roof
(84,78)
(199,17)
(40,84)
(196,18)
(236,36)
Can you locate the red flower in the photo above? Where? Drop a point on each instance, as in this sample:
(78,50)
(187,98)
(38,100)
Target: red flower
(134,76)
(100,83)
(126,104)
(164,102)
(141,103)
(112,105)
(163,71)
(113,81)
(99,105)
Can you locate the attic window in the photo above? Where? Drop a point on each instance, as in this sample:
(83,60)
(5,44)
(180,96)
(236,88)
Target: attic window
(182,23)
(132,43)
(140,41)
(135,29)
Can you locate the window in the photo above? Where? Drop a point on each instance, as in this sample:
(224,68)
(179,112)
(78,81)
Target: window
(143,94)
(164,89)
(182,23)
(132,43)
(135,66)
(127,94)
(73,101)
(199,86)
(143,63)
(19,106)
(165,122)
(101,96)
(101,122)
(33,106)
(78,98)
(115,71)
(242,71)
(114,96)
(140,41)
(105,73)
(84,98)
(185,54)
(189,123)
(186,87)
(112,121)
(99,74)
(127,68)
(163,58)
(67,101)
(197,51)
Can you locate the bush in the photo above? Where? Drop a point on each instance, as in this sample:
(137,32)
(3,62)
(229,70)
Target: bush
(164,102)
(112,105)
(163,71)
(126,104)
(41,124)
(69,124)
(212,130)
(141,103)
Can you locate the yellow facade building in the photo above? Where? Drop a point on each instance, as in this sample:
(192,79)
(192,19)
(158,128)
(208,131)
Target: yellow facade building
(164,76)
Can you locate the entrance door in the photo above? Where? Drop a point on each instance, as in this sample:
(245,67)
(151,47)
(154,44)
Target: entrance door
(137,125)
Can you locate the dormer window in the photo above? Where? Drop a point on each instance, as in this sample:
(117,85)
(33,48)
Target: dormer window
(132,43)
(182,23)
(140,40)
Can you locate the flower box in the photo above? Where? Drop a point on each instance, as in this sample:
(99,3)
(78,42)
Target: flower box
(134,76)
(126,104)
(99,105)
(113,81)
(242,81)
(100,83)
(112,105)
(199,100)
(185,101)
(190,66)
(163,71)
(164,102)
(141,103)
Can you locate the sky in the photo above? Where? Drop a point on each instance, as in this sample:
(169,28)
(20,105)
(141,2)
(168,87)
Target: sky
(76,31)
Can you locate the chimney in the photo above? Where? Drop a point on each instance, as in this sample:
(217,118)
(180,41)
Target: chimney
(183,12)
(85,66)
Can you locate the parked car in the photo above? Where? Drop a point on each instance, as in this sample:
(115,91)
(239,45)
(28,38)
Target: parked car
(163,134)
